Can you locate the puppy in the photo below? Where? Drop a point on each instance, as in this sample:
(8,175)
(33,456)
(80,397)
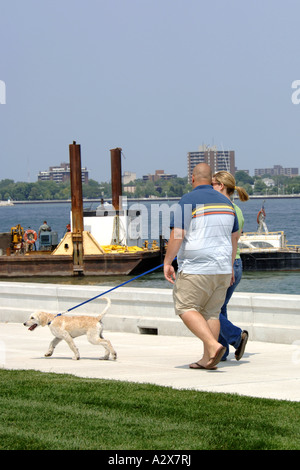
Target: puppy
(69,327)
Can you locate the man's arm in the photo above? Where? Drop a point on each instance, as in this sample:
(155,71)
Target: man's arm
(176,238)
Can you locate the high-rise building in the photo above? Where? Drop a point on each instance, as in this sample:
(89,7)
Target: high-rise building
(61,174)
(277,170)
(217,159)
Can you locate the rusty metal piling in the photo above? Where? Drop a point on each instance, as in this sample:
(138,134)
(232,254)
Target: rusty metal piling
(116,178)
(77,207)
(116,188)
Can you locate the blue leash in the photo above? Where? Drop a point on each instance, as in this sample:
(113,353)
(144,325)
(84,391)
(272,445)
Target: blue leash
(109,290)
(116,287)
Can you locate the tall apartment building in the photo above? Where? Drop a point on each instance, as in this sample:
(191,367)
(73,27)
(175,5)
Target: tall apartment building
(217,159)
(61,174)
(277,170)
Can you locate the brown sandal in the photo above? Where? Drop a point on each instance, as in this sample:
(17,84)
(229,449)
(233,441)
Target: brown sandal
(216,358)
(196,365)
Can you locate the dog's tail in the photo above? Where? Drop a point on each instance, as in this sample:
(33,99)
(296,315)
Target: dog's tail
(105,309)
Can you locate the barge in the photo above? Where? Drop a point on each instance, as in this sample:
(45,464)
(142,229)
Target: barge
(97,244)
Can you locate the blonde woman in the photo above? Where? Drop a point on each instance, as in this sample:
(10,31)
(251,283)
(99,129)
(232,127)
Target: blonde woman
(224,183)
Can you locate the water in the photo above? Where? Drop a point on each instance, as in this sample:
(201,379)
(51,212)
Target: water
(33,215)
(282,214)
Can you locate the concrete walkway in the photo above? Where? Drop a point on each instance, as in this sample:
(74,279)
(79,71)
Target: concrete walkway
(266,370)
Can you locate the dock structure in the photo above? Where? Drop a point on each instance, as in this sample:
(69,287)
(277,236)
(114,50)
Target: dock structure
(79,253)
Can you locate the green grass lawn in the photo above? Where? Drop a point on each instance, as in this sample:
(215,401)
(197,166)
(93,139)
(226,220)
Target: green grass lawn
(43,411)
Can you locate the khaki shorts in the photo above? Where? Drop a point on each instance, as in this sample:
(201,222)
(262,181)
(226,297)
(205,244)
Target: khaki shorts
(201,292)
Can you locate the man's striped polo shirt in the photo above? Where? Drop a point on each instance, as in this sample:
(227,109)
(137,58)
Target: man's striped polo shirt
(209,219)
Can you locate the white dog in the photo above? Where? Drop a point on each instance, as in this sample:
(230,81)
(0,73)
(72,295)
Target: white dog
(69,327)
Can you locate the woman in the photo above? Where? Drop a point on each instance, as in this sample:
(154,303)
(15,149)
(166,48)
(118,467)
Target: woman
(224,182)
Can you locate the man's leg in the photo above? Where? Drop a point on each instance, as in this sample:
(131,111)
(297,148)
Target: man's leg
(206,331)
(218,286)
(197,293)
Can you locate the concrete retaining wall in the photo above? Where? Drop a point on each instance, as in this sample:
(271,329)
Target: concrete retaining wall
(268,317)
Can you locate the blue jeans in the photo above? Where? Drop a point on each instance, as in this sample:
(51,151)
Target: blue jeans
(229,333)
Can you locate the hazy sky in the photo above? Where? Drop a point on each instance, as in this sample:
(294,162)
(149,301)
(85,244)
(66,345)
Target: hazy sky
(155,77)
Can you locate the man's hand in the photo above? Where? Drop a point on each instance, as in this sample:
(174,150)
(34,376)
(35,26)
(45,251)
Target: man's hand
(169,273)
(174,244)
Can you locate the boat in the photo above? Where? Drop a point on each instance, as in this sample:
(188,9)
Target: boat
(267,251)
(97,243)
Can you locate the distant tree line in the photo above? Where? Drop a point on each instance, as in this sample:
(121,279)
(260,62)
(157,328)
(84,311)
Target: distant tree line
(256,185)
(49,190)
(175,187)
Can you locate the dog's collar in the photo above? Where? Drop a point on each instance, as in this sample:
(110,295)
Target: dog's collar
(58,315)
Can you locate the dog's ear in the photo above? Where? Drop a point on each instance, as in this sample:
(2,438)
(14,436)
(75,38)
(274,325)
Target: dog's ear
(42,318)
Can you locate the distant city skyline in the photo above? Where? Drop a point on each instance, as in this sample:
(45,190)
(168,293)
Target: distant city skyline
(60,173)
(217,159)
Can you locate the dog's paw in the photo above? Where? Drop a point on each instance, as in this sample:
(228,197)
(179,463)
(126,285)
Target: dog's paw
(104,358)
(48,353)
(76,358)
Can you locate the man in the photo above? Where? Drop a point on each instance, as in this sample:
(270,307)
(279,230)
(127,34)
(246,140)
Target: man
(204,237)
(44,228)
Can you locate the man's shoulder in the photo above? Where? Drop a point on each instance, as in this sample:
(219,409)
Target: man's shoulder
(204,194)
(196,195)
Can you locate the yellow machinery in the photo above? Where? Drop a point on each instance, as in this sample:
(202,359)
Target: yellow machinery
(17,234)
